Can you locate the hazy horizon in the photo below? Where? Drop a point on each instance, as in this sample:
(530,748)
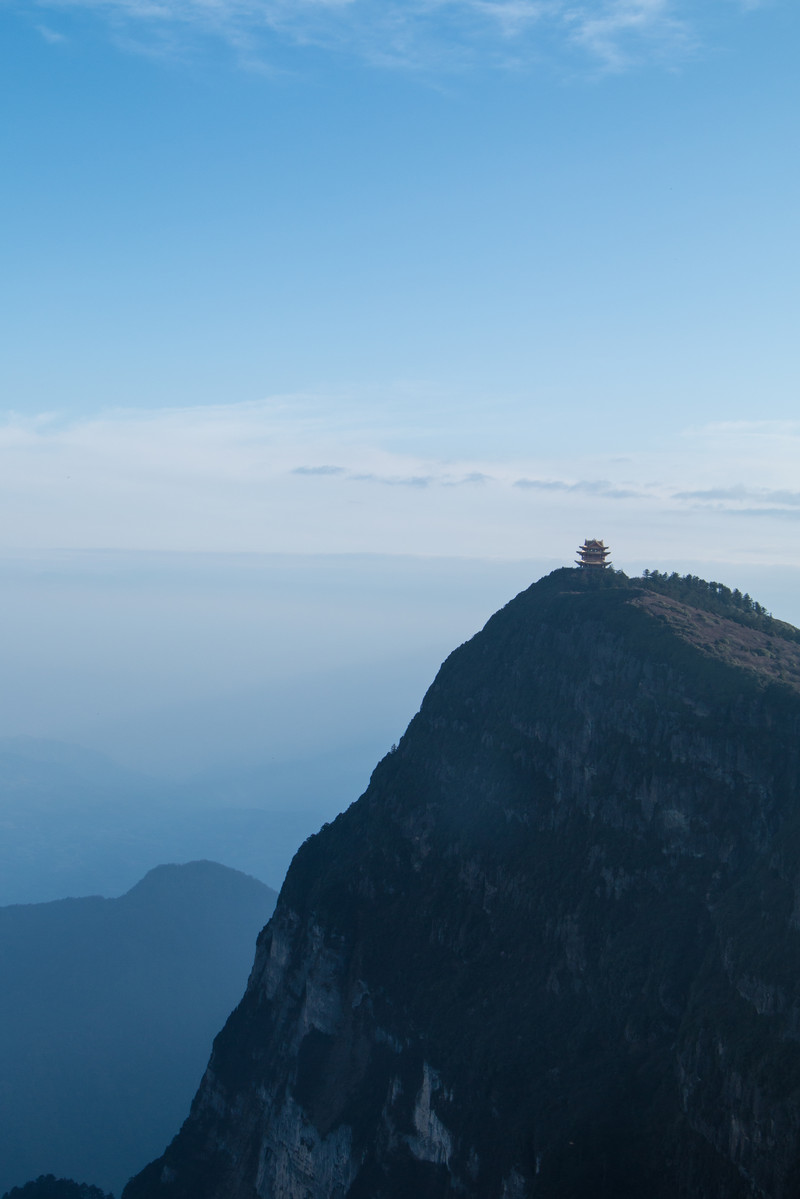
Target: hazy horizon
(177,666)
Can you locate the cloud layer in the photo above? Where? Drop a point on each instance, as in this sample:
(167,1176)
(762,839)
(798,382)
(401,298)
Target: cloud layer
(299,475)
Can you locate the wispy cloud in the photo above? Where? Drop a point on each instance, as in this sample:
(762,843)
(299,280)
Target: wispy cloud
(740,495)
(442,478)
(623,31)
(582,487)
(318,470)
(779,513)
(52,36)
(298,474)
(411,33)
(394,480)
(475,477)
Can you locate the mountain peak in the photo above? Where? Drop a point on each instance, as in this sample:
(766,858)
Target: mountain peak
(549,951)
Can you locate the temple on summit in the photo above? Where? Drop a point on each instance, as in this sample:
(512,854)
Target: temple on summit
(593,554)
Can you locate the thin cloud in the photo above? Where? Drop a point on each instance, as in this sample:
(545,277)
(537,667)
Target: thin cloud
(51,36)
(394,480)
(474,478)
(741,494)
(600,487)
(544,484)
(713,493)
(619,33)
(419,34)
(515,17)
(784,513)
(319,470)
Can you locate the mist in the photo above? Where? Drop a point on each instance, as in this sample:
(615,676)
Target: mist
(176,665)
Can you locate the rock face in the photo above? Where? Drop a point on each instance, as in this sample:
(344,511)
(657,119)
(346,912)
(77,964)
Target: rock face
(553,950)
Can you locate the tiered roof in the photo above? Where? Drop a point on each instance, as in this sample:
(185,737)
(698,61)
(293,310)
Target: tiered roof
(592,554)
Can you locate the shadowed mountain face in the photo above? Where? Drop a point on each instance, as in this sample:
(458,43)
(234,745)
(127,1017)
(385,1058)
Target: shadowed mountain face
(553,950)
(107,1009)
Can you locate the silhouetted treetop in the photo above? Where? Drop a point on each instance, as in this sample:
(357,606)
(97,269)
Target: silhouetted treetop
(47,1186)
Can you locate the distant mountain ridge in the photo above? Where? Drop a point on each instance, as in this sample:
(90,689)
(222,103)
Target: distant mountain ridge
(554,949)
(107,1009)
(76,823)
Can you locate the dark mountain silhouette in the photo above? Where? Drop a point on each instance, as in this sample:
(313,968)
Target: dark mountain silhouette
(46,1186)
(553,950)
(107,1009)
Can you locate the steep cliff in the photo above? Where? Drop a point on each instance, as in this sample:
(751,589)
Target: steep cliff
(553,950)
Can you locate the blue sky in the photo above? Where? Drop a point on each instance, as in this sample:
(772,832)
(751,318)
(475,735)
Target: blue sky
(547,211)
(464,280)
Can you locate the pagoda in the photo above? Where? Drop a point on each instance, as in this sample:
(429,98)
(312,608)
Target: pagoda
(593,555)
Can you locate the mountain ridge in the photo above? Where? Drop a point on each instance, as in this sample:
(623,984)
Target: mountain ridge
(107,1007)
